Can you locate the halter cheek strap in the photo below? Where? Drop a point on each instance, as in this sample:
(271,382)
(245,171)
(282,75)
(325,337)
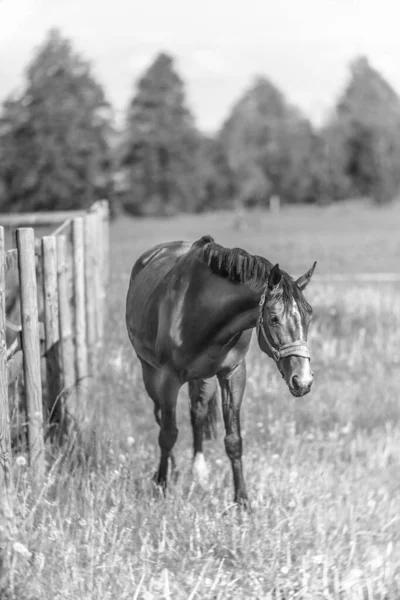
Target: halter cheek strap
(297,348)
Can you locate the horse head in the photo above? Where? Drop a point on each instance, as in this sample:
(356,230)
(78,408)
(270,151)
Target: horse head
(282,328)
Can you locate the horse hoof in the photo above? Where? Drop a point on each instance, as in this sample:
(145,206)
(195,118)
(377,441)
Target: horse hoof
(243,504)
(160,485)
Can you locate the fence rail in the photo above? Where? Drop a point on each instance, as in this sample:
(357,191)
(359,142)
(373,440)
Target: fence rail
(30,219)
(61,283)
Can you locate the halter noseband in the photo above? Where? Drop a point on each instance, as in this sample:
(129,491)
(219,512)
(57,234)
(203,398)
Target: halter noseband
(297,348)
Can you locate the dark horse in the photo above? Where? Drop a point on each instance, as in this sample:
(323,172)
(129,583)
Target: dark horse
(190,312)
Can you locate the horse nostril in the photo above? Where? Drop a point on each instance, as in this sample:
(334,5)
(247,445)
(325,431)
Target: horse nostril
(295,382)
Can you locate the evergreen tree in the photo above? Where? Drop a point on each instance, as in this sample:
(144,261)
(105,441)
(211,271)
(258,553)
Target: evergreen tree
(269,145)
(217,179)
(161,147)
(363,137)
(54,151)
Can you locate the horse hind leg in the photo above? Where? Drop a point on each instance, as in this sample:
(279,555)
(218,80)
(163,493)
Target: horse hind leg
(174,467)
(203,395)
(232,390)
(163,390)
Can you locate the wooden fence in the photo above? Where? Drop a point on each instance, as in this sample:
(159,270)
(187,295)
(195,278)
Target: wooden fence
(67,272)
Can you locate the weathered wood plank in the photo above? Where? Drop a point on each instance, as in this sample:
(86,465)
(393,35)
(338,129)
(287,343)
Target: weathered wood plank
(15,346)
(31,349)
(98,268)
(106,241)
(81,352)
(11,259)
(63,229)
(6,511)
(66,328)
(30,219)
(90,290)
(14,366)
(51,326)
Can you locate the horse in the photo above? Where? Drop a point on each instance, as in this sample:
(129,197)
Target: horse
(190,312)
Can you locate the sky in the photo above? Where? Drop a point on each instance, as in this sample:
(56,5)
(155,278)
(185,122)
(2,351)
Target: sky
(303,46)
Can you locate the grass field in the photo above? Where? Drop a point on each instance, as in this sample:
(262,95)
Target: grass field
(322,472)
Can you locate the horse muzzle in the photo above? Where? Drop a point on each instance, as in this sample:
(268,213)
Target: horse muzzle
(300,386)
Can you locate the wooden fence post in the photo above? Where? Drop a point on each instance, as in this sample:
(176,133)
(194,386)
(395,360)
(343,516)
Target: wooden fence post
(6,511)
(65,332)
(81,356)
(106,241)
(31,349)
(97,215)
(51,326)
(90,291)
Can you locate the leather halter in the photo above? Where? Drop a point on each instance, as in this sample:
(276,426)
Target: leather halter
(297,348)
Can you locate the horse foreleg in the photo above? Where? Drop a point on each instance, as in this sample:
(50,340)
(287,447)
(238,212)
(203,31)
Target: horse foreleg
(232,390)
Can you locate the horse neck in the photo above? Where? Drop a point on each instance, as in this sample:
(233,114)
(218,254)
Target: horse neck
(238,304)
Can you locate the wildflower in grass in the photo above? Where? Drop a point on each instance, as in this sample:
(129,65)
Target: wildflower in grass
(376,562)
(130,441)
(284,570)
(39,561)
(347,428)
(21,550)
(122,458)
(389,549)
(20,461)
(353,578)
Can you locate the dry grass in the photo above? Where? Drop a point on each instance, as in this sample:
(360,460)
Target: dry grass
(322,472)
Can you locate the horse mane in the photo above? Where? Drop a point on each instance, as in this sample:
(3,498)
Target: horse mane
(239,266)
(234,264)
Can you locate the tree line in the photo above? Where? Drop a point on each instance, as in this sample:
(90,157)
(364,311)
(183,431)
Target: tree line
(60,149)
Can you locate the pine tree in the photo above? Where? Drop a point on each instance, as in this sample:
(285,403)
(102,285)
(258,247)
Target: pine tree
(161,147)
(54,151)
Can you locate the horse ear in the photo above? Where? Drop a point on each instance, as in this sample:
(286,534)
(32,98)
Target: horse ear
(275,277)
(304,280)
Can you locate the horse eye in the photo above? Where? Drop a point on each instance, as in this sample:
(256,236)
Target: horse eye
(274,320)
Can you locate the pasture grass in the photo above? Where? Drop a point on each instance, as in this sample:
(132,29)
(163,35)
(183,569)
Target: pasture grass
(322,471)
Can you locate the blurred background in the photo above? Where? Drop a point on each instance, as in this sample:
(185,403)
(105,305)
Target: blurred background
(167,108)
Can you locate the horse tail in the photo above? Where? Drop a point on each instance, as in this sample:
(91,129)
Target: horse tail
(210,425)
